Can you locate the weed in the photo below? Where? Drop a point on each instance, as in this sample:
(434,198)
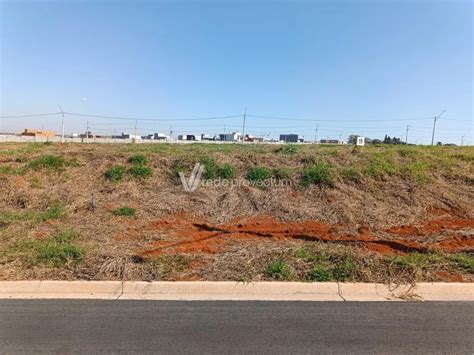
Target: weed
(125,211)
(380,164)
(321,273)
(289,149)
(54,212)
(227,171)
(55,251)
(320,173)
(138,160)
(51,162)
(416,171)
(115,173)
(211,169)
(281,173)
(10,170)
(140,171)
(350,174)
(279,270)
(258,173)
(344,269)
(464,261)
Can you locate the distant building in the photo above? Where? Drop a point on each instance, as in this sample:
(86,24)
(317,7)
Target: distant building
(332,141)
(160,136)
(188,137)
(230,137)
(360,141)
(129,136)
(289,138)
(30,132)
(207,137)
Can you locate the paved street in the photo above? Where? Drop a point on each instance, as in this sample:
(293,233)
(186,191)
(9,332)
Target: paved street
(91,326)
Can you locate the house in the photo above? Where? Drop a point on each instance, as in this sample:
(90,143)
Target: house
(129,136)
(160,136)
(332,141)
(289,138)
(30,132)
(207,137)
(230,137)
(188,137)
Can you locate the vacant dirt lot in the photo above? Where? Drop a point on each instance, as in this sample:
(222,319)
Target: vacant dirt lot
(377,213)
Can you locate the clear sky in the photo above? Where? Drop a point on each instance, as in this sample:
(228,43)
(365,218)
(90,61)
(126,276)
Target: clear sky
(340,65)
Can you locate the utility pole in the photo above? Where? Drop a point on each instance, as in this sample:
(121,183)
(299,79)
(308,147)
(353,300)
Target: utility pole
(62,123)
(135,137)
(243,128)
(225,137)
(462,141)
(406,136)
(434,126)
(115,135)
(316,135)
(87,132)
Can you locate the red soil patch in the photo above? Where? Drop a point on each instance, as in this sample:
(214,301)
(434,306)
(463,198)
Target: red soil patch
(200,237)
(446,276)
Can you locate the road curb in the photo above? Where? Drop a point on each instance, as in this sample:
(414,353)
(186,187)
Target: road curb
(220,291)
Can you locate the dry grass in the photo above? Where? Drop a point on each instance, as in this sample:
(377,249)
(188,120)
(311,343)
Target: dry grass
(379,187)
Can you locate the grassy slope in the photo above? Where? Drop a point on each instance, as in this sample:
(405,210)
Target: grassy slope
(46,192)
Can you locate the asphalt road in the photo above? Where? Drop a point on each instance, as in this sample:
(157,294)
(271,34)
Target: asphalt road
(59,326)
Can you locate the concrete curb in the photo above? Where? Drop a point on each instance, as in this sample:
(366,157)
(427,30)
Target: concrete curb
(220,291)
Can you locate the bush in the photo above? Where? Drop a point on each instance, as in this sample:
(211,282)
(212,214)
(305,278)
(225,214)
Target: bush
(140,171)
(257,173)
(115,173)
(51,162)
(319,173)
(138,160)
(125,211)
(464,261)
(279,270)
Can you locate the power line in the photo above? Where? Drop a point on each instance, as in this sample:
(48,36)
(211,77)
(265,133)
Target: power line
(319,120)
(153,119)
(35,115)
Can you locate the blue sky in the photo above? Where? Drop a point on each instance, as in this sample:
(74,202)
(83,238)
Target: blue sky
(340,65)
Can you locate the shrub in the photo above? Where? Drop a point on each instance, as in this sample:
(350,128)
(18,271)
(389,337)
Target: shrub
(138,160)
(257,173)
(125,211)
(115,173)
(319,173)
(279,270)
(140,171)
(51,162)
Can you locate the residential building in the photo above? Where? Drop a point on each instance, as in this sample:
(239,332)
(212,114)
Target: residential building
(31,132)
(289,138)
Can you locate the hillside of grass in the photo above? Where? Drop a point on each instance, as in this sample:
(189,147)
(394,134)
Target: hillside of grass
(72,211)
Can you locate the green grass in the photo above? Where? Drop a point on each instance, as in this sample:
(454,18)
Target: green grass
(258,173)
(115,173)
(350,174)
(282,173)
(289,149)
(138,160)
(463,261)
(320,174)
(56,251)
(279,270)
(125,211)
(227,171)
(140,171)
(53,212)
(381,164)
(50,162)
(211,169)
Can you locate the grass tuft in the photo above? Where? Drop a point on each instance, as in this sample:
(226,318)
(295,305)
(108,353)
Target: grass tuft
(320,174)
(125,211)
(279,270)
(115,173)
(51,162)
(140,171)
(138,160)
(258,173)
